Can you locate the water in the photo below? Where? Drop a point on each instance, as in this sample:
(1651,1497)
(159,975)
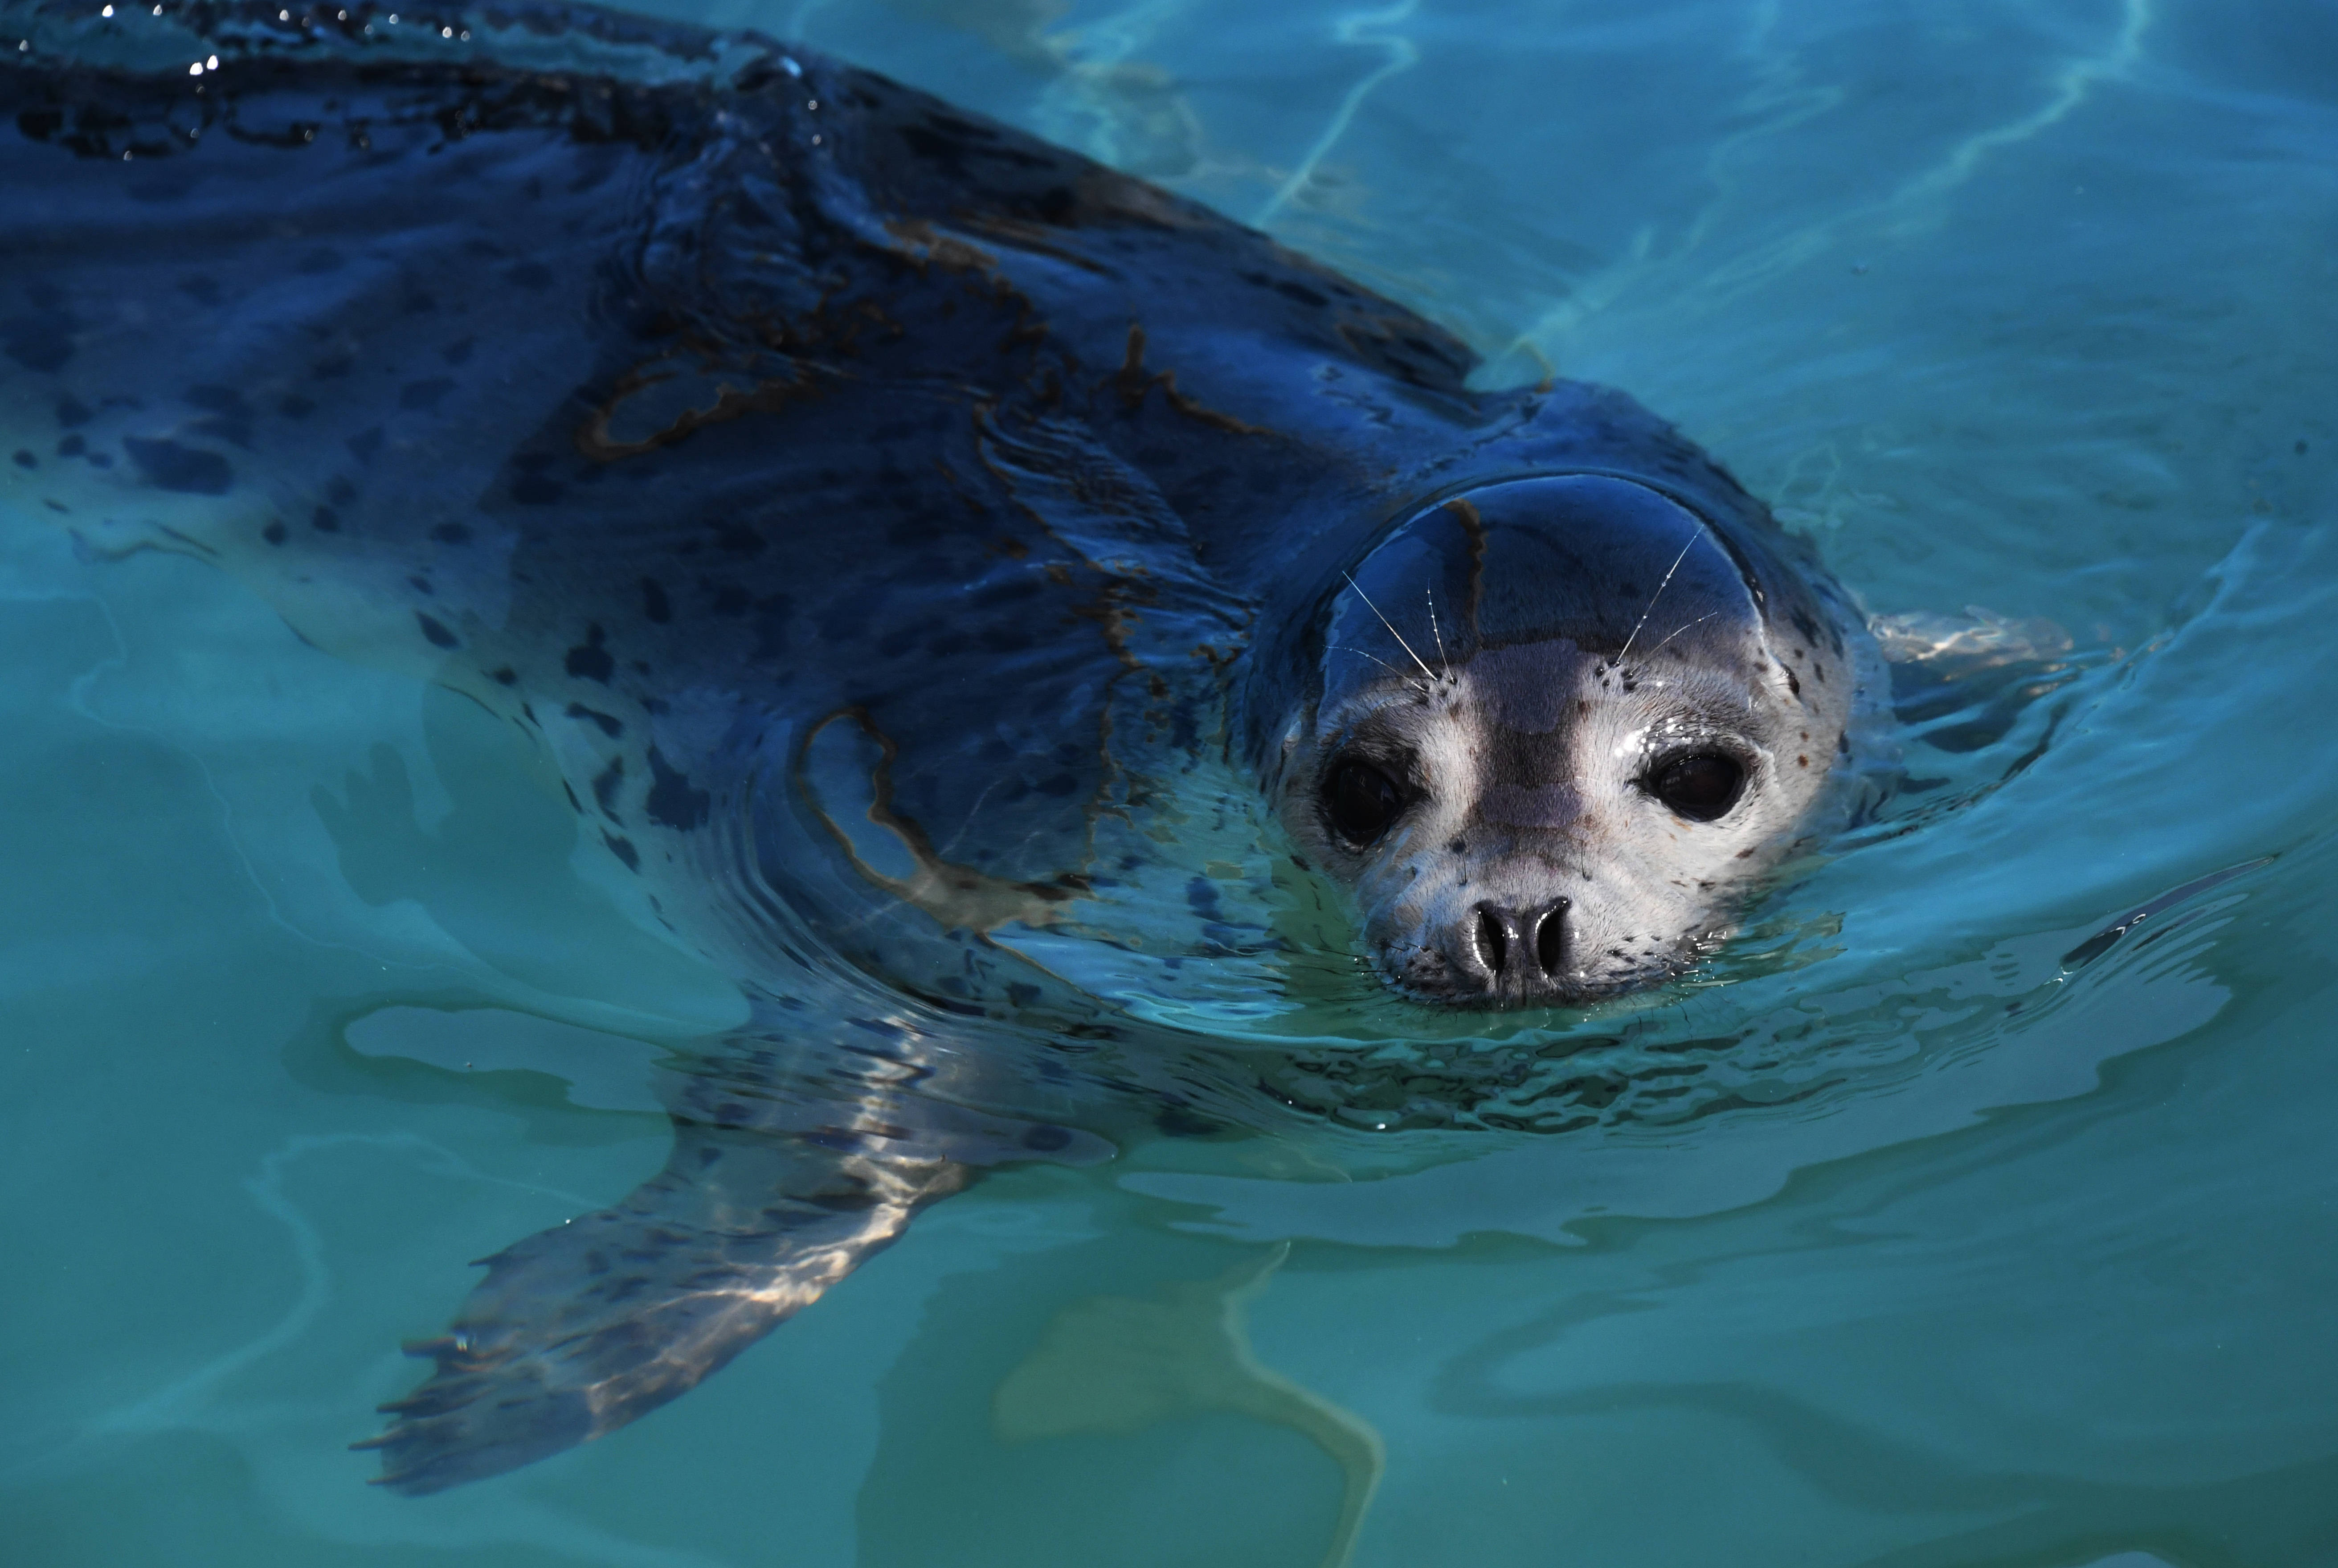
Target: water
(1961,1251)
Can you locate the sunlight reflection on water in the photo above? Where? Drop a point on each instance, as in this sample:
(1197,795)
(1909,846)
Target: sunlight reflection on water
(1950,1251)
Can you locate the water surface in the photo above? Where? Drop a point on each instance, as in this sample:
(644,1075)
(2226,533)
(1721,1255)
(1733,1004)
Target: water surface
(1923,1229)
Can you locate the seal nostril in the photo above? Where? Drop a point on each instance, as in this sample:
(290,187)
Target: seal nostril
(1493,942)
(1550,939)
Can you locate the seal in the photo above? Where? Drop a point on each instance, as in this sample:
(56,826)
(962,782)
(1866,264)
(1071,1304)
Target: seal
(882,519)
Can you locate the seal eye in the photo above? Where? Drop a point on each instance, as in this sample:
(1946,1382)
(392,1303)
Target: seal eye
(1700,787)
(1362,802)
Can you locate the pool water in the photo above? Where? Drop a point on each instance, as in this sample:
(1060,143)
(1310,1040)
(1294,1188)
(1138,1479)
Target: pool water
(1973,1236)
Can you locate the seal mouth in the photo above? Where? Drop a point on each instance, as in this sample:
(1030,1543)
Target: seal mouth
(1512,981)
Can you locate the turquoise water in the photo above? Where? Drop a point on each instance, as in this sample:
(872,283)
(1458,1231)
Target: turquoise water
(1990,1252)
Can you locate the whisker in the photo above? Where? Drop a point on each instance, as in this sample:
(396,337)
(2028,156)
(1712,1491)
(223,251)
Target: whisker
(1690,627)
(1444,663)
(1392,631)
(1398,669)
(1659,593)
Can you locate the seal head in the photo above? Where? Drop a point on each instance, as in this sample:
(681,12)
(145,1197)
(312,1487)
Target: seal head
(1556,733)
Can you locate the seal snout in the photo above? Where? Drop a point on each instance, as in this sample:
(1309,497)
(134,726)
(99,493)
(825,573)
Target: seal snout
(1515,954)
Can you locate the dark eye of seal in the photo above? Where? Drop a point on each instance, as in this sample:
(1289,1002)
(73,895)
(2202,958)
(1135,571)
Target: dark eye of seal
(1700,787)
(1362,802)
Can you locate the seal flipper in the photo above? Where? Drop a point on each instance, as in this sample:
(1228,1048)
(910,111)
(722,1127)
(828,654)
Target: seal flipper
(579,1330)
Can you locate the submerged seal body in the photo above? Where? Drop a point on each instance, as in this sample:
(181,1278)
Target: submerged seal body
(871,508)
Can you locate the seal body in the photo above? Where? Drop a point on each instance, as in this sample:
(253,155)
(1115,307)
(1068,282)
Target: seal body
(871,508)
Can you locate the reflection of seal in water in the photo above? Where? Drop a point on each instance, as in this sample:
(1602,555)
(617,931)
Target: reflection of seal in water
(861,499)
